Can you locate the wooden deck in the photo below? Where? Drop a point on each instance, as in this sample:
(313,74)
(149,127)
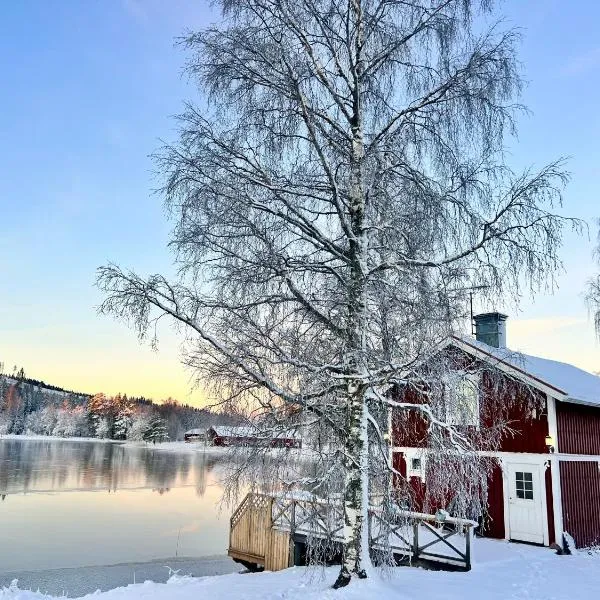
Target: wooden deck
(268,530)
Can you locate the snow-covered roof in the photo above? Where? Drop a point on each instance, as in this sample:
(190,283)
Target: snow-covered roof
(570,383)
(226,431)
(195,432)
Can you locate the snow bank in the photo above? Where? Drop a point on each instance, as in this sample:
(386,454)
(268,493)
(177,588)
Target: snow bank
(502,571)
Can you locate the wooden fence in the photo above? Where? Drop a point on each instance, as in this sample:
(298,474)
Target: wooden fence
(264,530)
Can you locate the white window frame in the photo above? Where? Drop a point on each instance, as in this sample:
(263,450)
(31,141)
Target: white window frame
(418,472)
(452,380)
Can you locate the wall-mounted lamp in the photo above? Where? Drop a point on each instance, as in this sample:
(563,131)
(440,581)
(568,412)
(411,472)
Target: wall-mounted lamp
(550,443)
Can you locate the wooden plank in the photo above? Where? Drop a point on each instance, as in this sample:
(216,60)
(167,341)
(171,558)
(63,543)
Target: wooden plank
(278,551)
(246,556)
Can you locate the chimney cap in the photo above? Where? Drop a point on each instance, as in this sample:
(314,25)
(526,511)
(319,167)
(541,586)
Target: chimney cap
(491,315)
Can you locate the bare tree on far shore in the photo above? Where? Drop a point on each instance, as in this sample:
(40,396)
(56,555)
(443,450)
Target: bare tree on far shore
(593,292)
(335,196)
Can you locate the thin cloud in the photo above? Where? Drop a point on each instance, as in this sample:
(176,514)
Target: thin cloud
(526,327)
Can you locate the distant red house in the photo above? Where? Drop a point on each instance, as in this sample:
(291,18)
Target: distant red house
(250,436)
(547,479)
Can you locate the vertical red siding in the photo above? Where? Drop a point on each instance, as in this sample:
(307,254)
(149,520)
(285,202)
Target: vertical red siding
(527,421)
(409,428)
(580,488)
(578,428)
(550,505)
(493,521)
(530,431)
(399,463)
(522,409)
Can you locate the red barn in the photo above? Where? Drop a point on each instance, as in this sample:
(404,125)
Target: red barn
(250,436)
(547,479)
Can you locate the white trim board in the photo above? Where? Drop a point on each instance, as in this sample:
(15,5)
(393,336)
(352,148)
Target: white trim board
(518,456)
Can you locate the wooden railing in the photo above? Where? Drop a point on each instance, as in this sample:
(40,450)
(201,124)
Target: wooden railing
(417,536)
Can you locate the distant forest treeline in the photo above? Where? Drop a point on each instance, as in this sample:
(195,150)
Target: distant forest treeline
(30,406)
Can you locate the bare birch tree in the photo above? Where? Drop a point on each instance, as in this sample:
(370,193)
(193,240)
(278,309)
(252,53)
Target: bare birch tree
(593,292)
(338,192)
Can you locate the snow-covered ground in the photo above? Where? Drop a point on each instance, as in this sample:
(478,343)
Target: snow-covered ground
(502,571)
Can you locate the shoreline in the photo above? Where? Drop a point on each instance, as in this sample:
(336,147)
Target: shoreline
(175,446)
(79,581)
(55,438)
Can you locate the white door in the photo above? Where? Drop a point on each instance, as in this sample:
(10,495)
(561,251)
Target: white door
(525,503)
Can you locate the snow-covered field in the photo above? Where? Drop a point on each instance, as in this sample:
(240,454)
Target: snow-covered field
(502,571)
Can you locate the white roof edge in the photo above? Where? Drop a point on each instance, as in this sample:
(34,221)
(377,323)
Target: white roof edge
(582,401)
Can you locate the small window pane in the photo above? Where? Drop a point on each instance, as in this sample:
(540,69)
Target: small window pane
(416,464)
(524,485)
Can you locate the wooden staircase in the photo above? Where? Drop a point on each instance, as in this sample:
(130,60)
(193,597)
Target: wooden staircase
(252,539)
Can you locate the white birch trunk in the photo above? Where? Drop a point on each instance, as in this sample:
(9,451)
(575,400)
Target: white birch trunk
(356,559)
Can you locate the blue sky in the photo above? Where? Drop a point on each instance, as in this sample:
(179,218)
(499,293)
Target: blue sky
(88,88)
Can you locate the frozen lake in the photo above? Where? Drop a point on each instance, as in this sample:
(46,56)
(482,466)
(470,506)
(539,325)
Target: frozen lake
(74,504)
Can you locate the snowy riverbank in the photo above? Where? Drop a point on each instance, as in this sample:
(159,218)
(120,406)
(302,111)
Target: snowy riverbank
(182,447)
(199,447)
(501,571)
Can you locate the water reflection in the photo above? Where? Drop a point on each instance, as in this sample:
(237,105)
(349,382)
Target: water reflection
(50,466)
(69,504)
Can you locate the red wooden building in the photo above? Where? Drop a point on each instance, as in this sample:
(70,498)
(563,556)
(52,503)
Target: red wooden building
(547,475)
(250,436)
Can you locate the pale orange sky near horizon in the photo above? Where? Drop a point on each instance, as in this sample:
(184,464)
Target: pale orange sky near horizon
(137,370)
(92,87)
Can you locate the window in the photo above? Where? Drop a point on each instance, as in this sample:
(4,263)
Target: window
(524,485)
(462,399)
(416,466)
